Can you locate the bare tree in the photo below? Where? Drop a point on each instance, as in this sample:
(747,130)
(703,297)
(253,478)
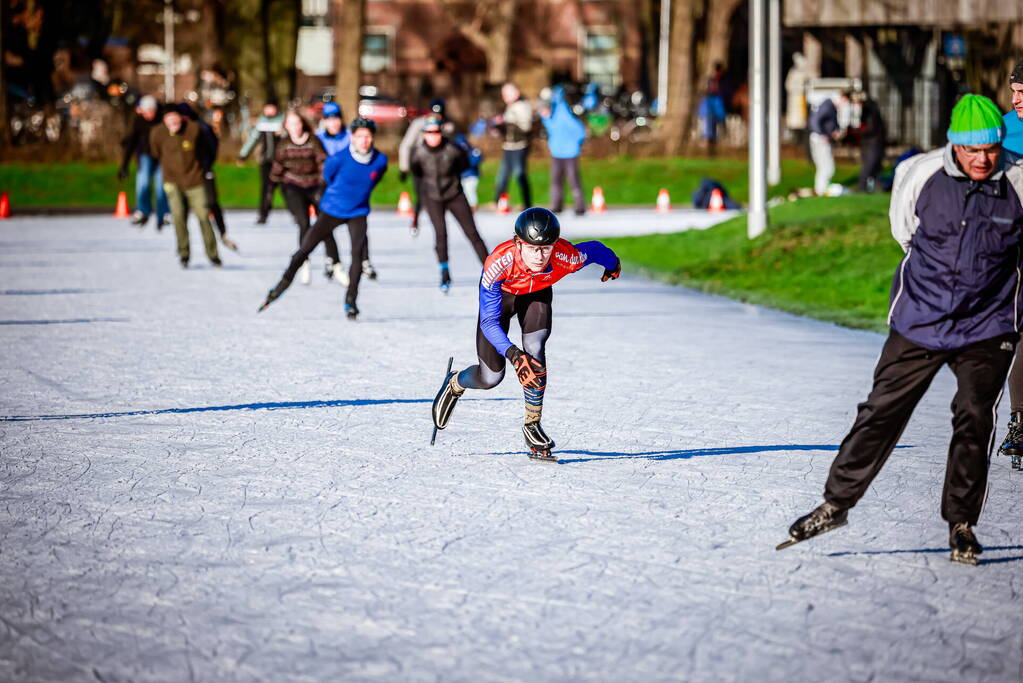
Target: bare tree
(675,127)
(266,65)
(351,17)
(489,28)
(719,17)
(5,131)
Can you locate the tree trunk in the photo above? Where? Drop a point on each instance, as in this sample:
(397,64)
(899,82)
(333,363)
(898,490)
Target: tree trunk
(499,54)
(719,18)
(495,40)
(5,129)
(213,37)
(648,44)
(348,53)
(675,127)
(264,32)
(286,17)
(241,52)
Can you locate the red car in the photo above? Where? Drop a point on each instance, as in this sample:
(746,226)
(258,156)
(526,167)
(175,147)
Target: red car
(386,111)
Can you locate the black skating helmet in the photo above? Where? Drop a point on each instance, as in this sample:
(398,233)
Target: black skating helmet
(537,225)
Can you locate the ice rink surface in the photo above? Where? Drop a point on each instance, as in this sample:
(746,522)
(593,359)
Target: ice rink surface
(189,491)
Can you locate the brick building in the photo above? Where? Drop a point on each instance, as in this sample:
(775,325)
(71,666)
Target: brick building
(414,50)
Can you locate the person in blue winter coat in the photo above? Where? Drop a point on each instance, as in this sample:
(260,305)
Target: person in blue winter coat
(333,134)
(350,177)
(565,137)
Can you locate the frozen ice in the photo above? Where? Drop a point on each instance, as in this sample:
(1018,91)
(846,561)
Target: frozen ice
(191,491)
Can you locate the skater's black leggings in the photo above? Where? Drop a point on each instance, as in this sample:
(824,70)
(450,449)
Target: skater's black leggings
(534,313)
(299,199)
(324,227)
(459,208)
(209,183)
(266,189)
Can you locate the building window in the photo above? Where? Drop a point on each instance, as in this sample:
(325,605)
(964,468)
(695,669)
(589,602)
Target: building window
(376,50)
(600,58)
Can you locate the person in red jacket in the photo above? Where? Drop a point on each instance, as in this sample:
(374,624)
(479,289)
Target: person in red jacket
(516,281)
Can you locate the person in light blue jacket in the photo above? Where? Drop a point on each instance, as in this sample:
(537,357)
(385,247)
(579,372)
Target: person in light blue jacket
(565,136)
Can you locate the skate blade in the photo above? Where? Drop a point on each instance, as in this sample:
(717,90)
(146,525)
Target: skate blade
(266,304)
(792,541)
(542,455)
(447,378)
(964,558)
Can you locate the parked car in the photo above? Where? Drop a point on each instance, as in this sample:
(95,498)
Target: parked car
(385,110)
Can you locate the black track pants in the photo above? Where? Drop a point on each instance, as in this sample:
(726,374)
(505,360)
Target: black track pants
(903,373)
(459,208)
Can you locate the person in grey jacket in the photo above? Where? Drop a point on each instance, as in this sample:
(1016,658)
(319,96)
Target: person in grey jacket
(958,214)
(268,127)
(516,123)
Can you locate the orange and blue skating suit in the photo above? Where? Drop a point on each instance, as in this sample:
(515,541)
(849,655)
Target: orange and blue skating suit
(504,271)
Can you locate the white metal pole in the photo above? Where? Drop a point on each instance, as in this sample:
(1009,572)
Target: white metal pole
(168,49)
(662,58)
(774,94)
(756,217)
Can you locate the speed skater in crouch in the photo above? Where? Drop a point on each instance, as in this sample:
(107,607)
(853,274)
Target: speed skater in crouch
(516,281)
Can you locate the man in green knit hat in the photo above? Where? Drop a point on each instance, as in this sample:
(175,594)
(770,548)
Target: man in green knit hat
(958,215)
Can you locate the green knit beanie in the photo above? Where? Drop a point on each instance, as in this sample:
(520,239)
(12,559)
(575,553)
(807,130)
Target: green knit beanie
(976,120)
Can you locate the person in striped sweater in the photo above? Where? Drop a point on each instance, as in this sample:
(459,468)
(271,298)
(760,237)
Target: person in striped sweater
(298,168)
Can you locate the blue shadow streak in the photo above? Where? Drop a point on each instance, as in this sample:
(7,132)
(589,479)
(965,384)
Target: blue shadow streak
(65,322)
(45,292)
(685,454)
(282,405)
(913,551)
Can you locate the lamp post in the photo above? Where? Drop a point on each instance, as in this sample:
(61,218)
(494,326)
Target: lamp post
(168,50)
(756,216)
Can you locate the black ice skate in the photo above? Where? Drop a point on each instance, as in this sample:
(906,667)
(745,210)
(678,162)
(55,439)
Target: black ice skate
(825,517)
(538,442)
(274,293)
(965,547)
(351,310)
(445,279)
(442,404)
(1013,443)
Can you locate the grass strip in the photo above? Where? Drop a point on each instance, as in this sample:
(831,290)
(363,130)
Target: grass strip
(826,258)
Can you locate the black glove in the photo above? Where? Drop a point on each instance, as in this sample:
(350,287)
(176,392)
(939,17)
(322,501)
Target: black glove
(122,173)
(528,369)
(402,176)
(612,274)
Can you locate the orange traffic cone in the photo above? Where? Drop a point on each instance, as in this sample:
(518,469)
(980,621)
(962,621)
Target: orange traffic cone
(404,204)
(5,206)
(717,201)
(122,206)
(663,201)
(597,203)
(312,212)
(503,205)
